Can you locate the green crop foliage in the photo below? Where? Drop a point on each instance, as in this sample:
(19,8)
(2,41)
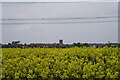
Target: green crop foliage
(61,63)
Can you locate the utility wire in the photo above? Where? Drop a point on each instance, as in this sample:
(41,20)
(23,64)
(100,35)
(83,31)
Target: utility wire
(65,22)
(60,22)
(44,2)
(69,18)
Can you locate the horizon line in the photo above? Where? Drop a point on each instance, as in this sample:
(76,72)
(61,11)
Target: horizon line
(64,43)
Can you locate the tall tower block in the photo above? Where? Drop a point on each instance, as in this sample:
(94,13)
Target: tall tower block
(60,42)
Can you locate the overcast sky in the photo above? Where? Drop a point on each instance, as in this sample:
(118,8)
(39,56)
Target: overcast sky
(58,0)
(51,33)
(0,22)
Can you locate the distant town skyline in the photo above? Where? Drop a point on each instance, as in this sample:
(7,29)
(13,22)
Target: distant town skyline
(60,21)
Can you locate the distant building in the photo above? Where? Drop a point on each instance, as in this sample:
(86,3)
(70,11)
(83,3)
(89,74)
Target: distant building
(61,42)
(61,45)
(94,46)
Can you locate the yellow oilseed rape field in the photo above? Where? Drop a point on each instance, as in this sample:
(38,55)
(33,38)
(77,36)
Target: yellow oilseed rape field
(61,63)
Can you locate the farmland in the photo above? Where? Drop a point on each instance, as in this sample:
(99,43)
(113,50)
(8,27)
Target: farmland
(60,63)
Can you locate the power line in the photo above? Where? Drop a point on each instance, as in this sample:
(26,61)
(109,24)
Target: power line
(59,22)
(65,22)
(51,2)
(69,18)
